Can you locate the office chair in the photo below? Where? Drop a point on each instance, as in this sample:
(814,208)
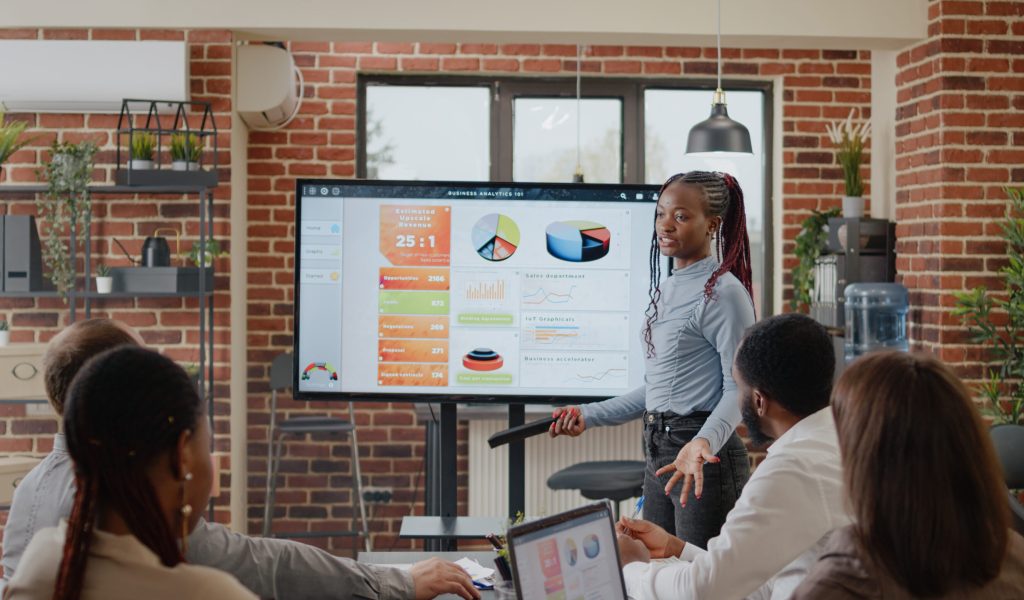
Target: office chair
(280,379)
(1009,442)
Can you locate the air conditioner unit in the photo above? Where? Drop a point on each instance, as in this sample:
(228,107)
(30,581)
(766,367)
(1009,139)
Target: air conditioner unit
(89,76)
(269,86)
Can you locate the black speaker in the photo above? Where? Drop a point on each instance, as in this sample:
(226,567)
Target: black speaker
(22,255)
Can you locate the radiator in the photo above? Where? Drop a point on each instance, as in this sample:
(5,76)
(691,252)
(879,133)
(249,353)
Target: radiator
(488,469)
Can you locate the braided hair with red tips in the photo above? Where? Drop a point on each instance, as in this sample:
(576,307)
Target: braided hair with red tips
(126,410)
(722,198)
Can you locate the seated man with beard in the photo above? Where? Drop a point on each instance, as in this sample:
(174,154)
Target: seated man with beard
(781,521)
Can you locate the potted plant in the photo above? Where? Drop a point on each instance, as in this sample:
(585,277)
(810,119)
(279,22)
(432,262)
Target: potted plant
(809,242)
(143,144)
(5,332)
(104,282)
(213,252)
(849,142)
(995,319)
(66,208)
(9,134)
(185,151)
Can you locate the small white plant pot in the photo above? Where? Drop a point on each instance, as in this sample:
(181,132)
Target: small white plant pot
(104,285)
(5,338)
(853,207)
(181,165)
(140,165)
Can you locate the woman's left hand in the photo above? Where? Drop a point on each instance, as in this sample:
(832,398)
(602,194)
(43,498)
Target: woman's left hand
(689,466)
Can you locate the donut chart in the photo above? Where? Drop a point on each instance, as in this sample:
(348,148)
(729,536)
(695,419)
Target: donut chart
(577,241)
(483,359)
(495,237)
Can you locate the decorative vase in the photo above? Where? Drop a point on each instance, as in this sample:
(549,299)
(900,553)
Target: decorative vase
(104,285)
(853,207)
(137,164)
(5,338)
(181,165)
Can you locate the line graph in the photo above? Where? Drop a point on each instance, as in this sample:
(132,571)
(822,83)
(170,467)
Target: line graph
(606,290)
(607,371)
(542,296)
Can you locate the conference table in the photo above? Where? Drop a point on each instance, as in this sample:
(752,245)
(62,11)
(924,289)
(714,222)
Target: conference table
(406,558)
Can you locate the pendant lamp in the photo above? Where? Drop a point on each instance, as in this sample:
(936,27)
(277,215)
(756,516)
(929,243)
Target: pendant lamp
(578,175)
(719,133)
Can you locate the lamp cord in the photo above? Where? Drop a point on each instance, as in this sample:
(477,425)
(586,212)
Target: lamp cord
(579,115)
(719,37)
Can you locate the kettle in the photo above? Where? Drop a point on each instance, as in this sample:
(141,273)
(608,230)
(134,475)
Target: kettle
(155,250)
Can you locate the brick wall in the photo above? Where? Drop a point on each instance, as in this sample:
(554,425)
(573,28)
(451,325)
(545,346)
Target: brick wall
(959,134)
(817,87)
(169,324)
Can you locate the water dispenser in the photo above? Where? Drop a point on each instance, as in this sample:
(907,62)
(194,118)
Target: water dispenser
(876,318)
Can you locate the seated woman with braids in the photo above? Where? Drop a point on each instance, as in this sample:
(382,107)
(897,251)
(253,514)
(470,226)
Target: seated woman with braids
(140,441)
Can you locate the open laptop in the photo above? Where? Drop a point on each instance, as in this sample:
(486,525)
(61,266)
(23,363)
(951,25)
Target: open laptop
(568,556)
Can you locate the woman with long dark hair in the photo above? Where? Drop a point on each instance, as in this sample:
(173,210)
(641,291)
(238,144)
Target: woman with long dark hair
(695,321)
(140,441)
(924,488)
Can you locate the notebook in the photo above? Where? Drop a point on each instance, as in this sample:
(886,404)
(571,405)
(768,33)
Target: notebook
(568,556)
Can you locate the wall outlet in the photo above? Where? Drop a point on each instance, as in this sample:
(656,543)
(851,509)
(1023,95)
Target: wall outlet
(377,495)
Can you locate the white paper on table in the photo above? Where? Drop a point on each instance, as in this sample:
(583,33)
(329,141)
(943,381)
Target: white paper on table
(476,571)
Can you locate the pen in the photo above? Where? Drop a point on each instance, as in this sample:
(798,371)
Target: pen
(639,506)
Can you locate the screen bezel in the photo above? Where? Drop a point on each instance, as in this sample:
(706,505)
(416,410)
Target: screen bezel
(427,397)
(569,515)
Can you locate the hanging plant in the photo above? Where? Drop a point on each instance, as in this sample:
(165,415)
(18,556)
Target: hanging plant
(809,242)
(66,209)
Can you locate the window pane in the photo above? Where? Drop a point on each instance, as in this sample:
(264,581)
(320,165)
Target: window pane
(544,140)
(420,132)
(669,115)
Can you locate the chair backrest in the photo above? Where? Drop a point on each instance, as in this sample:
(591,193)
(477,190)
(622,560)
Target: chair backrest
(1009,443)
(281,371)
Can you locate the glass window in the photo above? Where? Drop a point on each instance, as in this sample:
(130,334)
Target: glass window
(544,139)
(428,132)
(668,117)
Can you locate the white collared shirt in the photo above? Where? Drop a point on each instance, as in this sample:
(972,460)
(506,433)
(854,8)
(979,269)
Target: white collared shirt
(772,536)
(119,567)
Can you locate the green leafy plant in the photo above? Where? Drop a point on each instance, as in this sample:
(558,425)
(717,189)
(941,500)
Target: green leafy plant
(4,326)
(995,319)
(849,142)
(102,270)
(143,144)
(809,242)
(66,208)
(10,132)
(186,147)
(213,252)
(503,537)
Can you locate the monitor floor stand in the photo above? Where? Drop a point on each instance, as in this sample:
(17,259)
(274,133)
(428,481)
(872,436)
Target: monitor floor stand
(442,485)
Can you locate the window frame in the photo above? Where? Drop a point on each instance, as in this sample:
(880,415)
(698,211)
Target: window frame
(505,89)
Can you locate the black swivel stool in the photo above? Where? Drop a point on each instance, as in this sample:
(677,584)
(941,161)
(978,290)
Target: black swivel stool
(615,480)
(281,379)
(1009,443)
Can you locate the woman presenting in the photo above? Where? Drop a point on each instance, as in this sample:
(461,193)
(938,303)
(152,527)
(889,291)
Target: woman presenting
(695,321)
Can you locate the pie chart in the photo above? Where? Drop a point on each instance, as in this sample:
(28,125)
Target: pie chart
(495,237)
(578,241)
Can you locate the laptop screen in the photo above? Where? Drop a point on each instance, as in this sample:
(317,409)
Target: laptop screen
(569,556)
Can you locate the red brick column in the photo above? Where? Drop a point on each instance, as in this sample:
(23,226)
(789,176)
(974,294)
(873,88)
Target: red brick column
(959,140)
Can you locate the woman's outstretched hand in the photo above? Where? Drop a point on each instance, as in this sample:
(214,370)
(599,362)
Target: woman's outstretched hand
(568,421)
(689,466)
